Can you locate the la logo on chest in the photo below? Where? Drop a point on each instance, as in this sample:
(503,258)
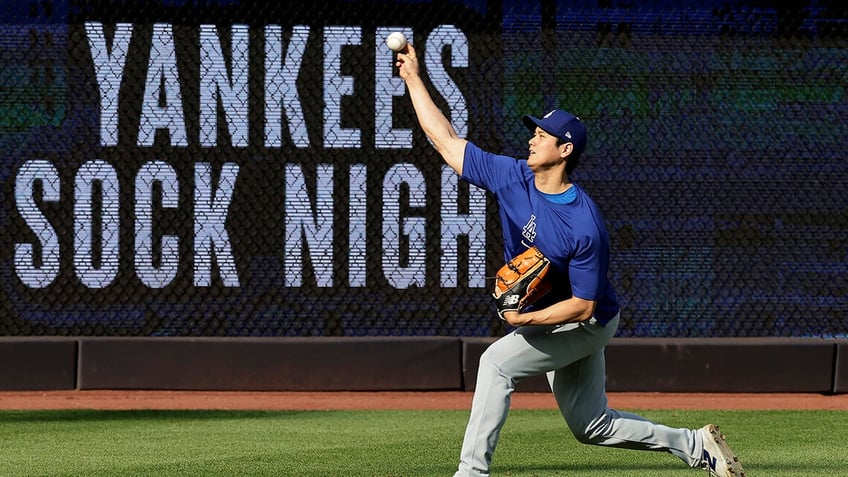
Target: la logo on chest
(529,229)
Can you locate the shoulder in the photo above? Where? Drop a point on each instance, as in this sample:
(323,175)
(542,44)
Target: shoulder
(586,200)
(475,152)
(488,167)
(589,219)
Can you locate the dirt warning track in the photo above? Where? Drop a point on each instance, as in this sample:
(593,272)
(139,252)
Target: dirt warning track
(343,400)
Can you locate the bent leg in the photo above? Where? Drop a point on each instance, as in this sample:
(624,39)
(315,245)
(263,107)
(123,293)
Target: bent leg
(527,351)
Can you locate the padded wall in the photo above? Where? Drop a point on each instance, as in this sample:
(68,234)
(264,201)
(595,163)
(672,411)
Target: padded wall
(37,363)
(292,364)
(407,363)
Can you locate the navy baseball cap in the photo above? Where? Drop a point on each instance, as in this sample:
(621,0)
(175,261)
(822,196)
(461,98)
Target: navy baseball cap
(561,124)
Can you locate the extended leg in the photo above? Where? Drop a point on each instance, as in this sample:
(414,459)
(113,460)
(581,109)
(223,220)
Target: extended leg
(581,395)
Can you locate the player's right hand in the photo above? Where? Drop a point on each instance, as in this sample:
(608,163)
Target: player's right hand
(407,62)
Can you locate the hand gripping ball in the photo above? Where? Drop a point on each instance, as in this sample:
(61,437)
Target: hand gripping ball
(396,41)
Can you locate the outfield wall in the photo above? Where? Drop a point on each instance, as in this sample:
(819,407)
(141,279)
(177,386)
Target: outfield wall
(407,363)
(242,169)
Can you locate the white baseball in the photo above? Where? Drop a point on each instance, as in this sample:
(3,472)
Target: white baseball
(396,41)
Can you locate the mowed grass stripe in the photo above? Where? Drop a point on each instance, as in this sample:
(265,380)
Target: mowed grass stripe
(387,444)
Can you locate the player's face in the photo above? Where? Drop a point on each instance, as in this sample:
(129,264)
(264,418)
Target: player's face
(544,151)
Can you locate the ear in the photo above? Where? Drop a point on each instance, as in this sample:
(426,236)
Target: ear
(566,149)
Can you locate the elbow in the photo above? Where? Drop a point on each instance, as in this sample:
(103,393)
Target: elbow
(586,310)
(452,150)
(441,142)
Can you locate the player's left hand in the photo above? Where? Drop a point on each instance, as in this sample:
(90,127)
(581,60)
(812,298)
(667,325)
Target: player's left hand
(520,282)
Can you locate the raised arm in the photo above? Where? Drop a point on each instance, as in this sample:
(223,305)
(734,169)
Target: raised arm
(436,126)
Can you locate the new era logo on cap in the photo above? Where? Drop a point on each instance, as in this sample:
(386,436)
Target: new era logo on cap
(561,124)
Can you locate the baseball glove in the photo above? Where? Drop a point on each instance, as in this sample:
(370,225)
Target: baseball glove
(521,281)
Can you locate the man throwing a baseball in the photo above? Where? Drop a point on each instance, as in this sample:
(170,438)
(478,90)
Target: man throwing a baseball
(564,333)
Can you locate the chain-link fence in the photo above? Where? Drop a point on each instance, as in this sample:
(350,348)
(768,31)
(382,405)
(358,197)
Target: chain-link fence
(233,168)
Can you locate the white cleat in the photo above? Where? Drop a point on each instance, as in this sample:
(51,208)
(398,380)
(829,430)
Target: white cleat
(718,459)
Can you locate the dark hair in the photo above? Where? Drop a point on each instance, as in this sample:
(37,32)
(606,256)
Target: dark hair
(573,158)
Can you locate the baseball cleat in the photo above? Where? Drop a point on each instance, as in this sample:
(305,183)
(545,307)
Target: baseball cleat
(718,459)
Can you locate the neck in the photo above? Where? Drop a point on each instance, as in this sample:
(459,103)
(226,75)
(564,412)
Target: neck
(552,183)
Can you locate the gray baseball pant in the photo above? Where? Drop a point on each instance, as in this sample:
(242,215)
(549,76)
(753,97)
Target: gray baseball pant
(572,355)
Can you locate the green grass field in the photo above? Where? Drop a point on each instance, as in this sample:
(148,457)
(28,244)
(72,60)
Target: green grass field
(388,444)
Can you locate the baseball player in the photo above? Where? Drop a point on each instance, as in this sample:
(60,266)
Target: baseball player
(565,332)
